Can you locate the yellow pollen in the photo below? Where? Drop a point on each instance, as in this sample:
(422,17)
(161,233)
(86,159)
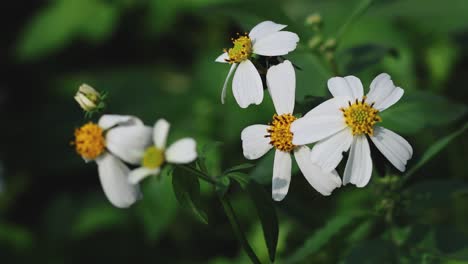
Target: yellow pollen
(361,117)
(241,50)
(153,158)
(89,141)
(280,133)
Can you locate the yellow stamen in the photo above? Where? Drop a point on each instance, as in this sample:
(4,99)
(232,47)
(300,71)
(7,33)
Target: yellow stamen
(153,158)
(280,132)
(89,141)
(361,117)
(241,51)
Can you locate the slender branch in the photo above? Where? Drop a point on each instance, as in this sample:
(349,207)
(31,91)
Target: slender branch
(237,229)
(360,9)
(200,174)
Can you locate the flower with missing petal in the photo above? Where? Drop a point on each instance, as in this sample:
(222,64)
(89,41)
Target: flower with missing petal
(111,141)
(265,39)
(346,121)
(259,139)
(180,152)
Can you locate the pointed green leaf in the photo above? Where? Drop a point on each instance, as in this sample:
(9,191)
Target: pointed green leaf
(187,191)
(240,167)
(267,213)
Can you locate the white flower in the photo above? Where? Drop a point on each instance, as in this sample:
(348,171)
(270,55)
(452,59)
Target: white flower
(264,39)
(87,97)
(344,121)
(180,152)
(258,139)
(113,139)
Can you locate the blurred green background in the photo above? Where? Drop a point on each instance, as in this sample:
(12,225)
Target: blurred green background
(156,59)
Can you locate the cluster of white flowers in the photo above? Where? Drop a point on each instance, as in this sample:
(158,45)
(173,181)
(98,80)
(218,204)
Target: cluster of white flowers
(338,124)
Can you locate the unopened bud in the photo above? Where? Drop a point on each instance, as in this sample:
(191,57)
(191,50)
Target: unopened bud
(315,42)
(314,20)
(88,98)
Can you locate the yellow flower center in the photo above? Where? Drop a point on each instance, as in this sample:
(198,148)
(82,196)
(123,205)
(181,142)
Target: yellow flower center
(153,158)
(242,49)
(280,132)
(89,141)
(361,117)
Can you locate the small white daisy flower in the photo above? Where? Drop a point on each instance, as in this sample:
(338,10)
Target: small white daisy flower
(264,39)
(346,120)
(259,139)
(180,152)
(113,139)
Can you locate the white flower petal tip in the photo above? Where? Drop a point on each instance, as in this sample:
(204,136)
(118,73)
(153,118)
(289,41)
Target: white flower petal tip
(108,121)
(281,82)
(247,85)
(393,146)
(254,142)
(276,44)
(383,92)
(349,86)
(328,153)
(222,58)
(129,142)
(160,133)
(139,174)
(323,182)
(358,169)
(263,29)
(281,175)
(113,175)
(182,151)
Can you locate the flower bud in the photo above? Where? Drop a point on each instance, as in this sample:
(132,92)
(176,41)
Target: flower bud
(88,98)
(314,20)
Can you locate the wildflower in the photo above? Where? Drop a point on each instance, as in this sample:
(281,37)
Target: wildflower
(88,98)
(110,142)
(180,152)
(259,139)
(346,121)
(264,39)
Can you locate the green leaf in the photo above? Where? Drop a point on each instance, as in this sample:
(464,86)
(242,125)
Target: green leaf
(435,149)
(450,240)
(241,178)
(322,236)
(187,191)
(374,251)
(420,110)
(244,166)
(96,218)
(267,214)
(361,57)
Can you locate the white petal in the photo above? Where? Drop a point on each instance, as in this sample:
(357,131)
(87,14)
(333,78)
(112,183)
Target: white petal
(328,153)
(311,129)
(182,151)
(323,182)
(138,174)
(383,93)
(254,142)
(247,85)
(129,142)
(358,169)
(349,86)
(281,175)
(223,92)
(109,121)
(276,44)
(264,29)
(331,106)
(394,147)
(222,58)
(160,132)
(113,175)
(281,82)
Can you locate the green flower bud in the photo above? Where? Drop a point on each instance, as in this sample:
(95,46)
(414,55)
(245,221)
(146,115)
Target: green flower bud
(88,98)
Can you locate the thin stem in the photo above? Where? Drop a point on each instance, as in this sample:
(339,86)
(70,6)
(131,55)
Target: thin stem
(200,174)
(237,229)
(360,9)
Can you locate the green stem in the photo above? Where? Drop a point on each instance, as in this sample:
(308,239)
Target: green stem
(237,229)
(360,9)
(200,174)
